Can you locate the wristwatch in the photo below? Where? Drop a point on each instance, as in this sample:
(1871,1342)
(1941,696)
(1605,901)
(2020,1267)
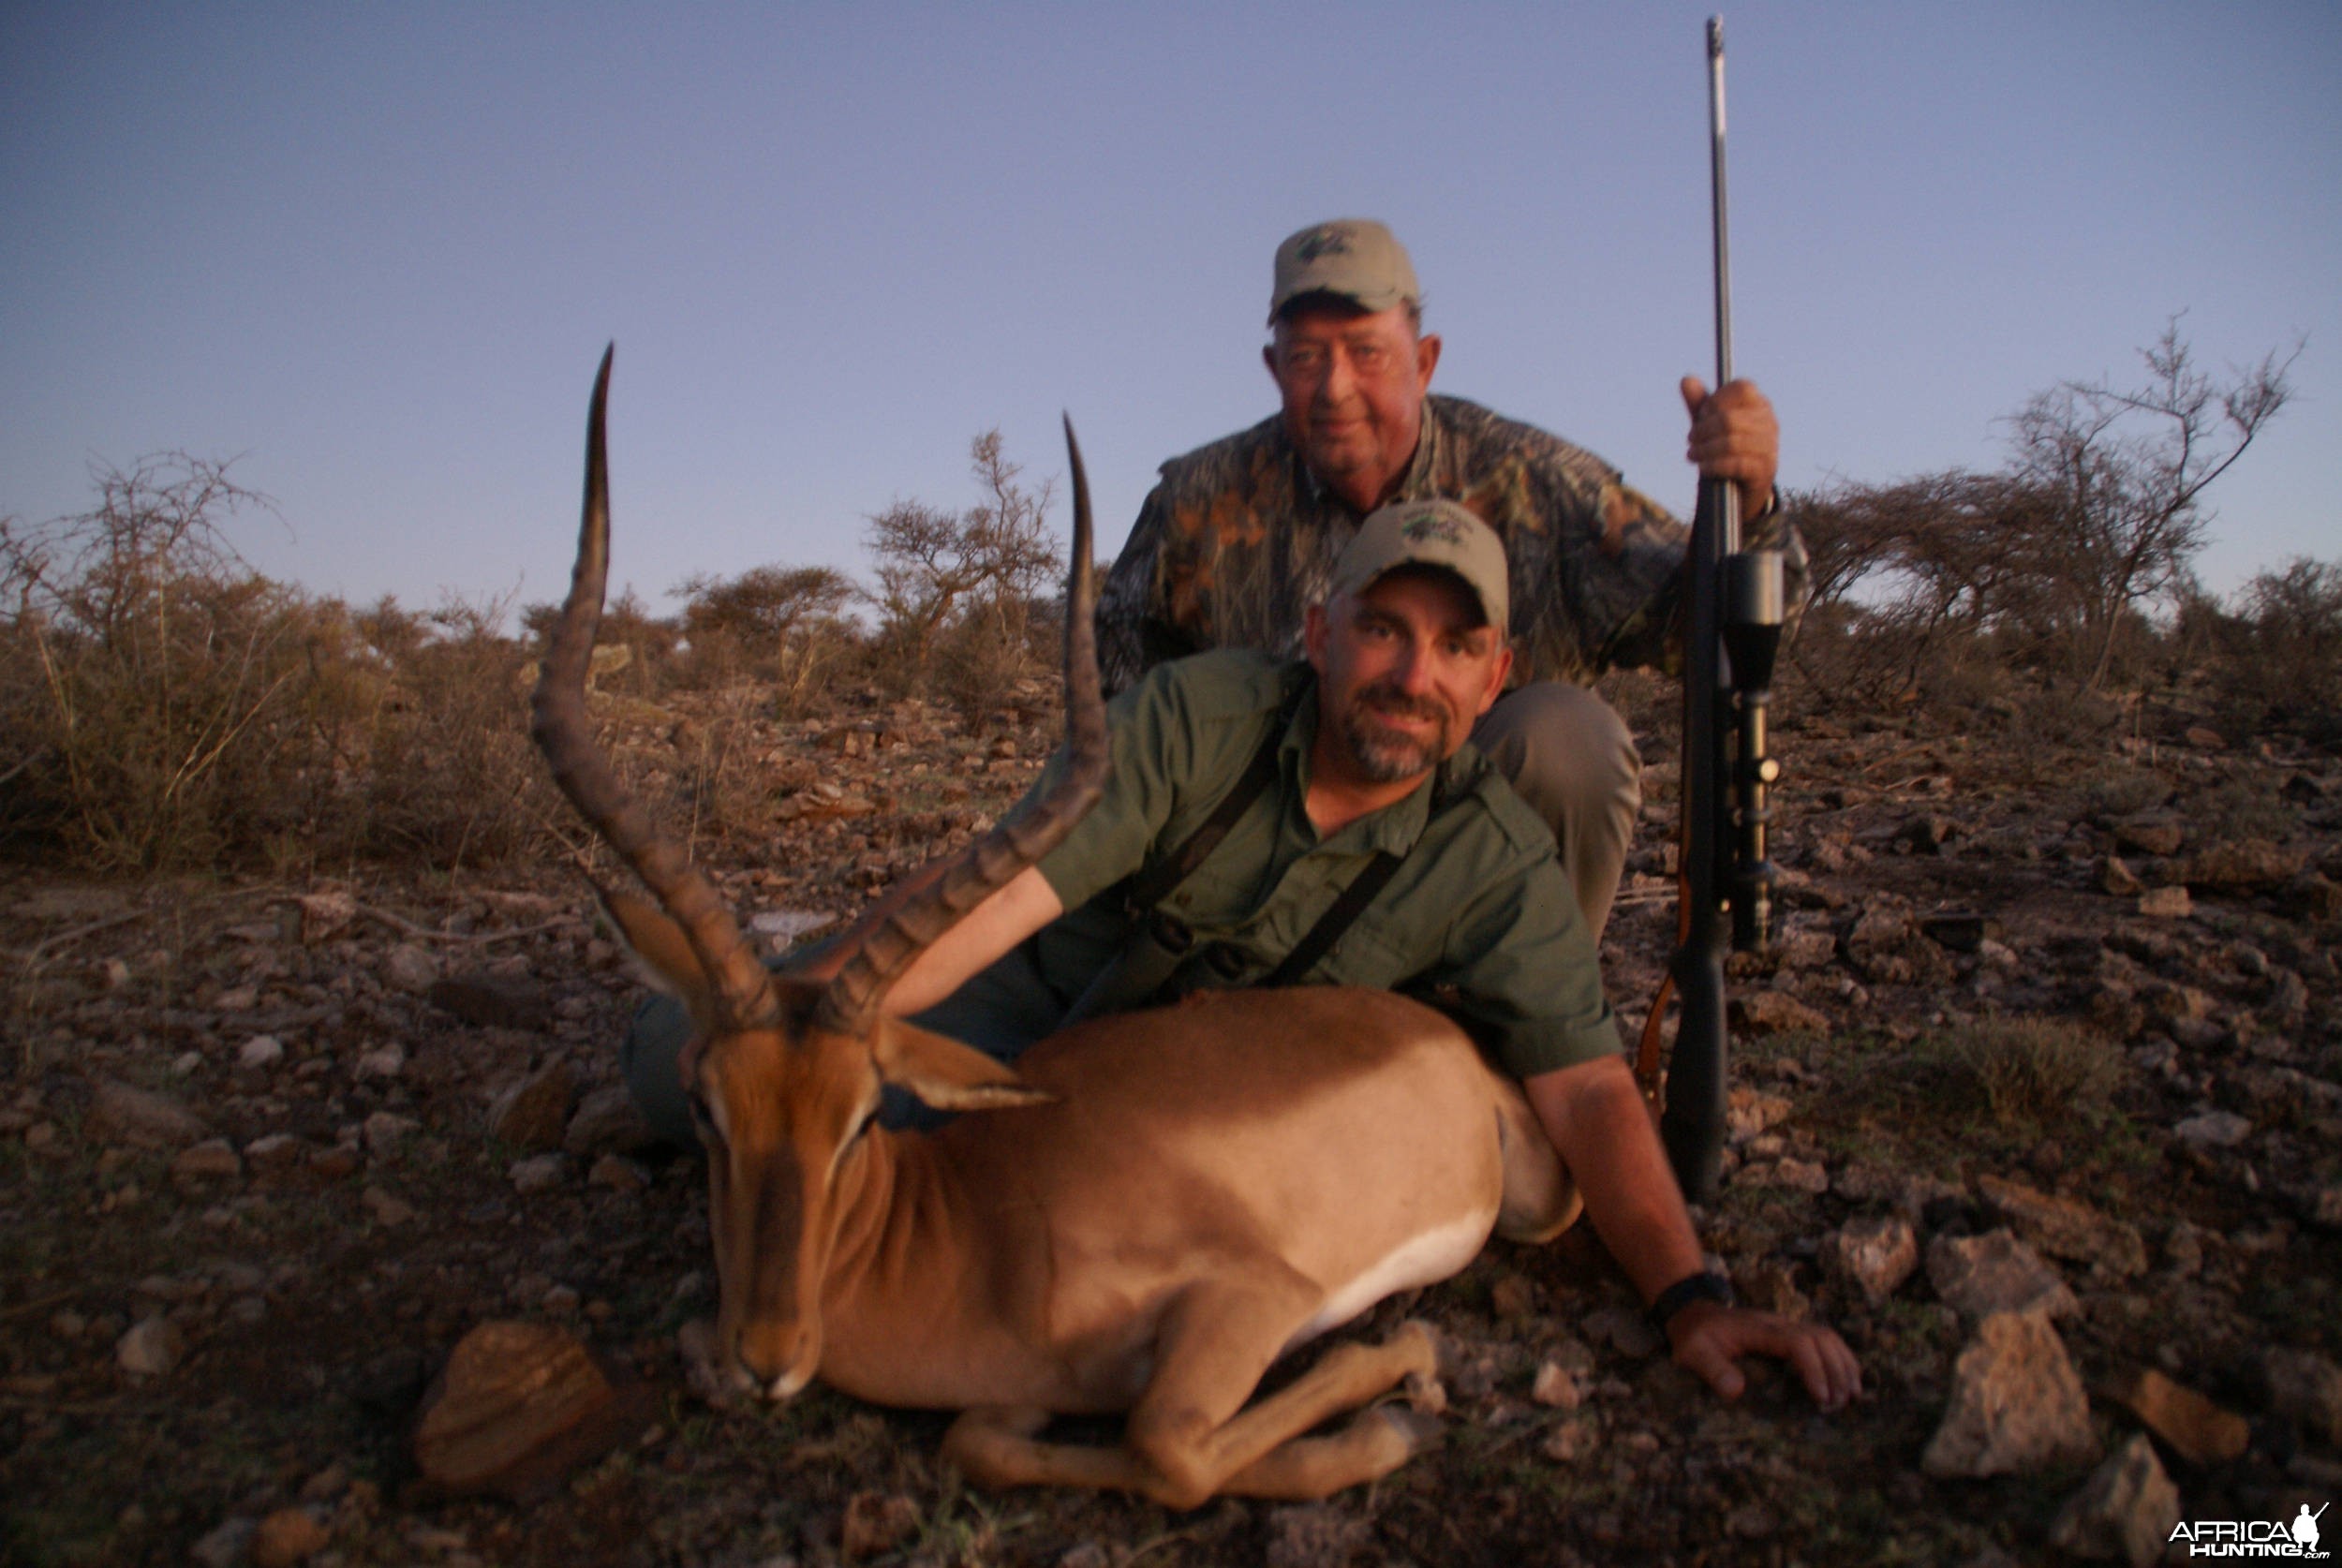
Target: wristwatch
(1706,1285)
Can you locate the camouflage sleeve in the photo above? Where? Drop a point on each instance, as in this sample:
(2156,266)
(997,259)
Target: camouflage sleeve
(1649,636)
(1133,632)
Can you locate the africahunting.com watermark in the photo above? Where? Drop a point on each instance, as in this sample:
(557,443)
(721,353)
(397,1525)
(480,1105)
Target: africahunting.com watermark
(2253,1537)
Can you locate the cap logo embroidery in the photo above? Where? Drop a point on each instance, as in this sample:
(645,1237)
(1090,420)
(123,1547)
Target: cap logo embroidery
(1322,241)
(1430,526)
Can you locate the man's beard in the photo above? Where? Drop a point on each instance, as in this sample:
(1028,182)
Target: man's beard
(1391,756)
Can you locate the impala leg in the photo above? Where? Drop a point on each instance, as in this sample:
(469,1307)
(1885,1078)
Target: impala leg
(999,1447)
(1377,1441)
(1197,1449)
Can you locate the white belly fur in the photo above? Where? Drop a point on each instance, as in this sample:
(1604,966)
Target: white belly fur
(1422,1259)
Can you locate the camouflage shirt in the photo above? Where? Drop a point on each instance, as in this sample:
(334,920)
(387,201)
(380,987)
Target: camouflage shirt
(1239,538)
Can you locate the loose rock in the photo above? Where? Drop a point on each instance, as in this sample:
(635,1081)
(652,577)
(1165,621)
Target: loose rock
(324,913)
(261,1051)
(1876,1254)
(539,1173)
(384,1061)
(227,1545)
(119,1114)
(288,1537)
(408,967)
(2197,1430)
(2304,1387)
(211,1159)
(150,1348)
(1764,1012)
(2166,903)
(516,1402)
(2125,1512)
(2067,1228)
(2016,1403)
(534,1112)
(491,1002)
(608,1121)
(2214,1130)
(2244,865)
(877,1523)
(1980,1274)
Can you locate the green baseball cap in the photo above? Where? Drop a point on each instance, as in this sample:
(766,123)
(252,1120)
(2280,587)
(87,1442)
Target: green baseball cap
(1434,533)
(1355,258)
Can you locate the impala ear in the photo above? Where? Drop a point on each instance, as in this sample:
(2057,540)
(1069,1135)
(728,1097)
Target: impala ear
(946,1075)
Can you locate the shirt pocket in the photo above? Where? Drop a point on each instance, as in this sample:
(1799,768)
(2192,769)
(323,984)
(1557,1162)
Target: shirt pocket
(1374,953)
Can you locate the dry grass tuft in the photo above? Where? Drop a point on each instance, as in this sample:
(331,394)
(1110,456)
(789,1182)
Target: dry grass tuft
(2032,1068)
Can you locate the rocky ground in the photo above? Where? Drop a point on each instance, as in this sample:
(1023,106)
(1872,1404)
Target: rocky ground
(2039,1100)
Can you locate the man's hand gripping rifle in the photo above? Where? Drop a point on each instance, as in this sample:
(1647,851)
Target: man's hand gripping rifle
(1733,615)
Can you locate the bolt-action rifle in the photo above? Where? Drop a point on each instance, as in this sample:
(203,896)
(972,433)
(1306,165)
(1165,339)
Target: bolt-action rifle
(1732,615)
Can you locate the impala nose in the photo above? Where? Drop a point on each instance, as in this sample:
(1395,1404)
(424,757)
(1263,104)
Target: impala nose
(780,1357)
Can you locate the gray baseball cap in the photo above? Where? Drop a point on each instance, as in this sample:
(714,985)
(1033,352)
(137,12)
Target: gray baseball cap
(1355,258)
(1434,533)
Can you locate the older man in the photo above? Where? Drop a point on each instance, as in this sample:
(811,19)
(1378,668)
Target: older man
(1240,537)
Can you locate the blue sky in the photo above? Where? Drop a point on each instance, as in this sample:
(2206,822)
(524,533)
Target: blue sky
(375,250)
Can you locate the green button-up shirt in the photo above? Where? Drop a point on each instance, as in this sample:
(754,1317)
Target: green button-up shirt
(1477,917)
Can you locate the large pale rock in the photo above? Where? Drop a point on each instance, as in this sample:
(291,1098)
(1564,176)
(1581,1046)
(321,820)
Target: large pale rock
(517,1406)
(1980,1274)
(1874,1254)
(2197,1430)
(2067,1228)
(534,1112)
(2016,1403)
(2125,1513)
(119,1114)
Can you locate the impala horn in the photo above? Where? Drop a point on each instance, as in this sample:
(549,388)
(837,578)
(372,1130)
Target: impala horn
(851,1004)
(743,989)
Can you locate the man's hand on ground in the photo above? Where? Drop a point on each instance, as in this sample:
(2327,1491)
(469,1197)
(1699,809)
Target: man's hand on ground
(1734,437)
(1709,1339)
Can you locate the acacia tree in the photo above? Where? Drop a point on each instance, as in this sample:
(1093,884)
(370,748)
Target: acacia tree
(938,570)
(2127,469)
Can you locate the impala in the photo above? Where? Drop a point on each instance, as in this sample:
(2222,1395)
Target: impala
(1141,1216)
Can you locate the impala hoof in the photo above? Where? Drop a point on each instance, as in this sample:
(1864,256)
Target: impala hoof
(1420,1431)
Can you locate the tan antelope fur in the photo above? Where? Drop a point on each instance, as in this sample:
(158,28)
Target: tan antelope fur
(1142,1216)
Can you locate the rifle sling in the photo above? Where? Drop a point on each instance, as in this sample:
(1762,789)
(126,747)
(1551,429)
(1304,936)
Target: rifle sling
(1336,920)
(1151,885)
